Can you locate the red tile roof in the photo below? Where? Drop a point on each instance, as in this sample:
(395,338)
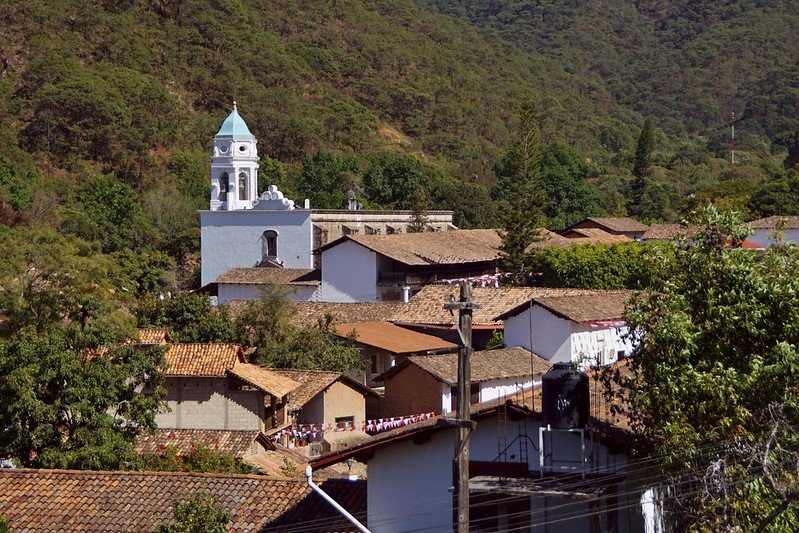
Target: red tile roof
(66,500)
(154,336)
(269,381)
(392,338)
(265,275)
(594,236)
(232,442)
(431,247)
(486,365)
(580,306)
(791,222)
(427,306)
(312,382)
(202,359)
(617,224)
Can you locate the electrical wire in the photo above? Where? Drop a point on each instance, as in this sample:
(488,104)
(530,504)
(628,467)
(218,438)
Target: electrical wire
(708,449)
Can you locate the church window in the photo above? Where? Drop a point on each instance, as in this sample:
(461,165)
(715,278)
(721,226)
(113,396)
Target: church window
(270,243)
(243,188)
(223,180)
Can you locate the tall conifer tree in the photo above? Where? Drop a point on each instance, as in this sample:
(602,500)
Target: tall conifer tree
(523,195)
(646,143)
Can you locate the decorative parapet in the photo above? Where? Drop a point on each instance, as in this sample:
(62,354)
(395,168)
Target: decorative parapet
(273,199)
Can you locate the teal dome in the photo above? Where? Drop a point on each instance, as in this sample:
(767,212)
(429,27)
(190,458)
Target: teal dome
(235,127)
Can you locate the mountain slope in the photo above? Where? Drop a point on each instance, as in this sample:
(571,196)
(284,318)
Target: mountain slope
(688,62)
(120,84)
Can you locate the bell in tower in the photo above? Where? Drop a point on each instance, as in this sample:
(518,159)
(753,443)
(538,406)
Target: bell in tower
(234,166)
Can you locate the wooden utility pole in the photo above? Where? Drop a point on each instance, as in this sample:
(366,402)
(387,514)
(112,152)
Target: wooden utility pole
(463,413)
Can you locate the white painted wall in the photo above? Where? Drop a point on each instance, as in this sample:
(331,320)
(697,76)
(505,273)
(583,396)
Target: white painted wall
(498,388)
(250,292)
(489,390)
(231,239)
(349,274)
(550,338)
(408,487)
(558,339)
(766,237)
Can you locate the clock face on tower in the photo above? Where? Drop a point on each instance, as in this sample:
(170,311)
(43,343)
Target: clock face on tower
(223,149)
(243,149)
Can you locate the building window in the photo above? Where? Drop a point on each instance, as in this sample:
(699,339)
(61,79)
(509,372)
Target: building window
(375,368)
(345,421)
(474,393)
(270,244)
(620,354)
(223,182)
(474,396)
(243,189)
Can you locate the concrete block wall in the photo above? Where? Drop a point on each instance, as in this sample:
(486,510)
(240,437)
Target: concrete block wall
(208,403)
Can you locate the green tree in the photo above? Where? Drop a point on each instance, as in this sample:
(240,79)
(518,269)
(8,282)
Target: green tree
(200,458)
(66,401)
(4,525)
(643,151)
(108,211)
(602,266)
(197,515)
(712,391)
(190,317)
(419,221)
(266,326)
(522,196)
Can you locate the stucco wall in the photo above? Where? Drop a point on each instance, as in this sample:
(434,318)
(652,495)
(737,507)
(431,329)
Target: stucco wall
(232,239)
(313,412)
(409,483)
(337,401)
(342,401)
(497,388)
(251,292)
(766,237)
(551,335)
(206,403)
(411,391)
(349,274)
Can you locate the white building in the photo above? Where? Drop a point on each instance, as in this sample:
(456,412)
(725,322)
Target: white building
(411,474)
(584,326)
(243,230)
(248,284)
(370,268)
(771,230)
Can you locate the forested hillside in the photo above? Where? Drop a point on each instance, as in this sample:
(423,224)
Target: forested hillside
(690,63)
(107,110)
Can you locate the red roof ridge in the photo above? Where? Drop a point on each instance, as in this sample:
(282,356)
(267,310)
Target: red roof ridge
(64,471)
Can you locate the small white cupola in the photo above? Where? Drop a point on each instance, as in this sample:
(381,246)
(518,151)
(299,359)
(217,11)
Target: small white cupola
(234,166)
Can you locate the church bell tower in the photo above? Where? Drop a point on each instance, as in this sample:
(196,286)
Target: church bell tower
(234,166)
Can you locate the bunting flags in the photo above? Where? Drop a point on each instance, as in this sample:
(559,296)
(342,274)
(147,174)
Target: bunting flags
(372,427)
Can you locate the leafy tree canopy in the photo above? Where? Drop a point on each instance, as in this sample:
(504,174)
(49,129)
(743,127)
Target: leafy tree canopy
(713,389)
(198,515)
(266,326)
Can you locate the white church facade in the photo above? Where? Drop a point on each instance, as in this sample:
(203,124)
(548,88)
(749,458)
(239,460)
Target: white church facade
(242,229)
